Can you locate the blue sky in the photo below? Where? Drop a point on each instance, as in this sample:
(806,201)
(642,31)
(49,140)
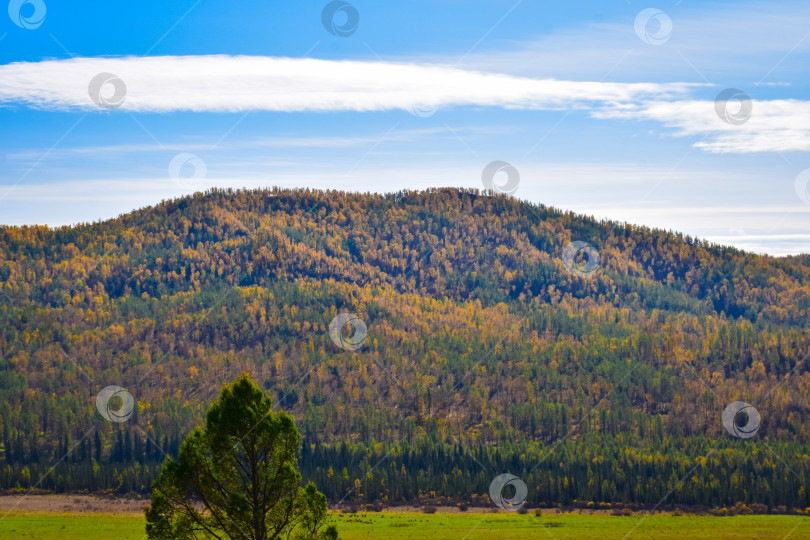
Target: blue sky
(602,107)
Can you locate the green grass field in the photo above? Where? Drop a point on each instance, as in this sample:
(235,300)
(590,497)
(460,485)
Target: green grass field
(412,526)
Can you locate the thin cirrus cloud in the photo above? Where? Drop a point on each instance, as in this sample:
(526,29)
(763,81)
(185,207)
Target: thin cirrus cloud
(242,83)
(324,142)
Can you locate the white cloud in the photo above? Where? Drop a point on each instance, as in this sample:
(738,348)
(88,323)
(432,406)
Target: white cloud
(773,125)
(243,83)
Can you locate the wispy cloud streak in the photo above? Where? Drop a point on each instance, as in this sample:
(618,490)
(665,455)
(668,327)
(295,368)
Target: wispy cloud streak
(245,83)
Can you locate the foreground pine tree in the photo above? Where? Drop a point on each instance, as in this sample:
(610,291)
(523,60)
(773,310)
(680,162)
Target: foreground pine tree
(236,478)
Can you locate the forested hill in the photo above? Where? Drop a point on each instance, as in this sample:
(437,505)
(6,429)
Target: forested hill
(494,345)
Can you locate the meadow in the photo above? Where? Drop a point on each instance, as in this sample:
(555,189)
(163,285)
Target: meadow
(413,525)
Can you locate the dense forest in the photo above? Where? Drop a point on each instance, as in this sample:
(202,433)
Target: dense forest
(485,352)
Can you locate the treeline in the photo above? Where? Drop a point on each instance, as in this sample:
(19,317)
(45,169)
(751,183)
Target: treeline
(592,468)
(478,338)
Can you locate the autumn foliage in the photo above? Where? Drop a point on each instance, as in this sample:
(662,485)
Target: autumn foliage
(483,353)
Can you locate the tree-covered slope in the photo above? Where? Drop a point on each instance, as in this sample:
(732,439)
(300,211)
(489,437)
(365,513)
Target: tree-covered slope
(485,353)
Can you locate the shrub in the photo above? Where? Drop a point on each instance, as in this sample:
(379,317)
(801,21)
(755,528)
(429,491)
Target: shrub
(758,508)
(621,512)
